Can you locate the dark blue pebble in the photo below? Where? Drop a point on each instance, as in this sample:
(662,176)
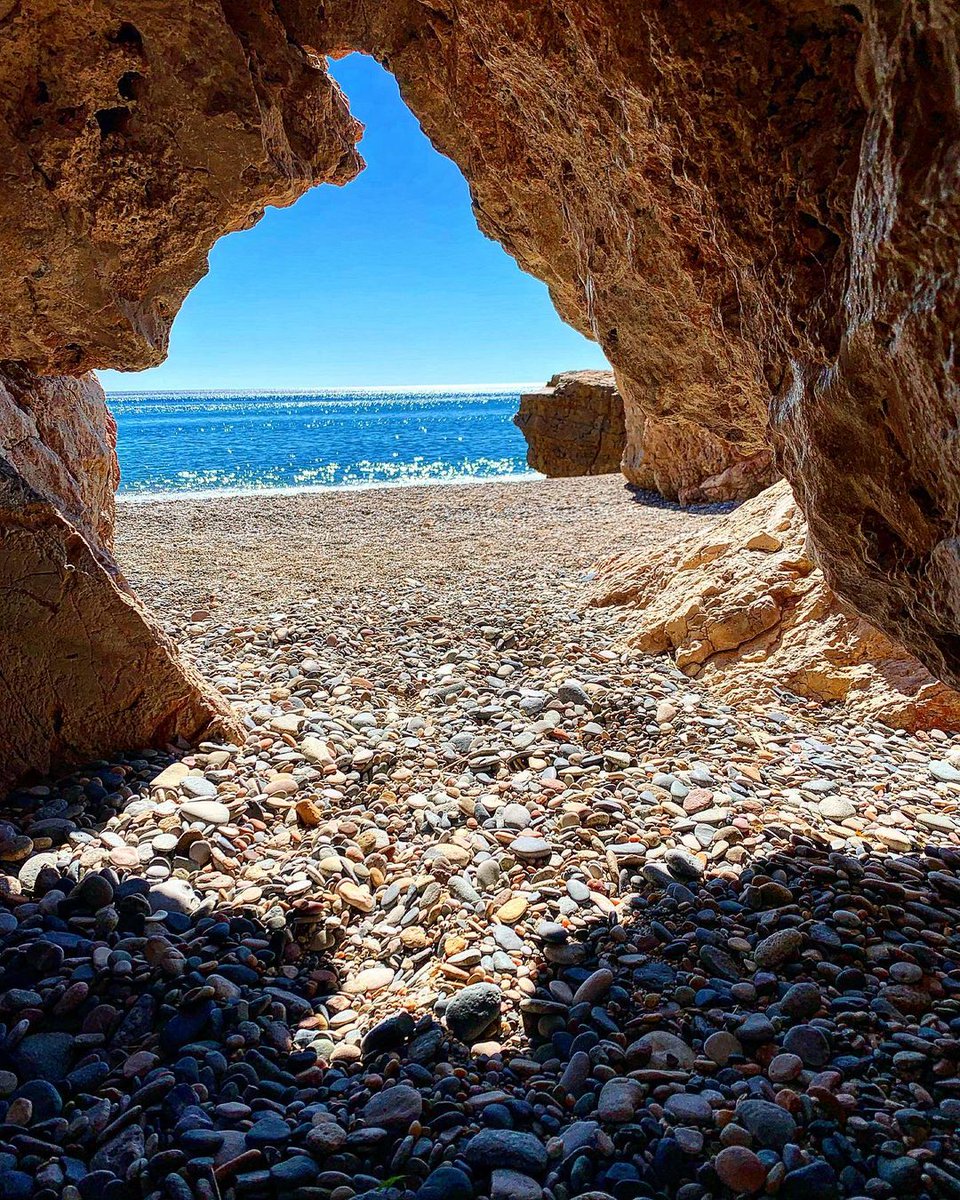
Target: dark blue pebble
(816,1179)
(446,1183)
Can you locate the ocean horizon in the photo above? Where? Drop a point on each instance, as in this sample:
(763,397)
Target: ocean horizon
(211,442)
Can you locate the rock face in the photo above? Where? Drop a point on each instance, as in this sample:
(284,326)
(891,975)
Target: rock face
(83,669)
(57,433)
(131,142)
(133,138)
(574,426)
(753,208)
(744,608)
(686,462)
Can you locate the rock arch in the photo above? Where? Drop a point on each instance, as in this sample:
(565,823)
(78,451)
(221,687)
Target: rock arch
(753,208)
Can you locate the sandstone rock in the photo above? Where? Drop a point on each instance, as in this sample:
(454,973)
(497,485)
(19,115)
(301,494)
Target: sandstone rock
(743,607)
(743,204)
(686,462)
(57,433)
(85,670)
(138,139)
(574,426)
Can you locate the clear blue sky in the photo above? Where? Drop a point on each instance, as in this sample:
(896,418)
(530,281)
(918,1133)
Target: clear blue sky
(384,281)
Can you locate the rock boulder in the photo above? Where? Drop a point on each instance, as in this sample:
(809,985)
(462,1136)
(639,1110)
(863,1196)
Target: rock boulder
(743,607)
(574,426)
(686,462)
(83,670)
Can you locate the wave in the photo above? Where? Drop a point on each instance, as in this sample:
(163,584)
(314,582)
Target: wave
(218,493)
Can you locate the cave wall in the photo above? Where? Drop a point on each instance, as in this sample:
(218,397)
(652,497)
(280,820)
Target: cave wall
(133,136)
(57,434)
(755,209)
(84,669)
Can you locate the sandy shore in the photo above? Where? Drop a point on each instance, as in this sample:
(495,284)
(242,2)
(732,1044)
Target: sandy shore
(504,535)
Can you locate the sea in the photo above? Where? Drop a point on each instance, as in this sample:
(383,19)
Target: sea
(177,444)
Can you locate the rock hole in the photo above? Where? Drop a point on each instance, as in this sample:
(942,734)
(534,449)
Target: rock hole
(127,35)
(925,502)
(948,644)
(112,120)
(42,93)
(130,85)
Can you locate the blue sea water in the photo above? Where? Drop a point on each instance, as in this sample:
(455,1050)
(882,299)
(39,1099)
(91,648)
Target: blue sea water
(201,442)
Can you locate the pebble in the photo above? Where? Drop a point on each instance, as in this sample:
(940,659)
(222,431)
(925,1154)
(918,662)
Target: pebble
(494,1149)
(778,948)
(472,1011)
(511,1185)
(394,1108)
(740,1169)
(619,1100)
(771,1125)
(209,811)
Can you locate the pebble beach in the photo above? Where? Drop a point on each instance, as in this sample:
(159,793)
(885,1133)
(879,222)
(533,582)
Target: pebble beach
(486,906)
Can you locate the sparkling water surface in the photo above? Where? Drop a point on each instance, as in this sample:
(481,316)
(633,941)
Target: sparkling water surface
(173,443)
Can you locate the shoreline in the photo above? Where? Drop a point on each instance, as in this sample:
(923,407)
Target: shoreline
(320,488)
(485,537)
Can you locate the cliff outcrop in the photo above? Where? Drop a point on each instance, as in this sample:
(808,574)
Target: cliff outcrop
(743,608)
(755,210)
(84,669)
(58,435)
(686,462)
(574,425)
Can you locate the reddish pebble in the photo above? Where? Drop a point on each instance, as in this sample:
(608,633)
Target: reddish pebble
(740,1169)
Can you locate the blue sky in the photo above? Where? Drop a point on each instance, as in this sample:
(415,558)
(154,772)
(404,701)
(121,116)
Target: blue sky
(384,281)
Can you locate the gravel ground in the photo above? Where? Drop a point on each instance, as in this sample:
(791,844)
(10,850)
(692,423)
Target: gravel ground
(483,907)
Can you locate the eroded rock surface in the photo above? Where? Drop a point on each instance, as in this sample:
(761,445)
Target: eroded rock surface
(134,137)
(743,607)
(83,669)
(686,462)
(574,426)
(58,434)
(743,204)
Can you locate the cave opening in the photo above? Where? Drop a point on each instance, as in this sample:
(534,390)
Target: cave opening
(461,852)
(366,334)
